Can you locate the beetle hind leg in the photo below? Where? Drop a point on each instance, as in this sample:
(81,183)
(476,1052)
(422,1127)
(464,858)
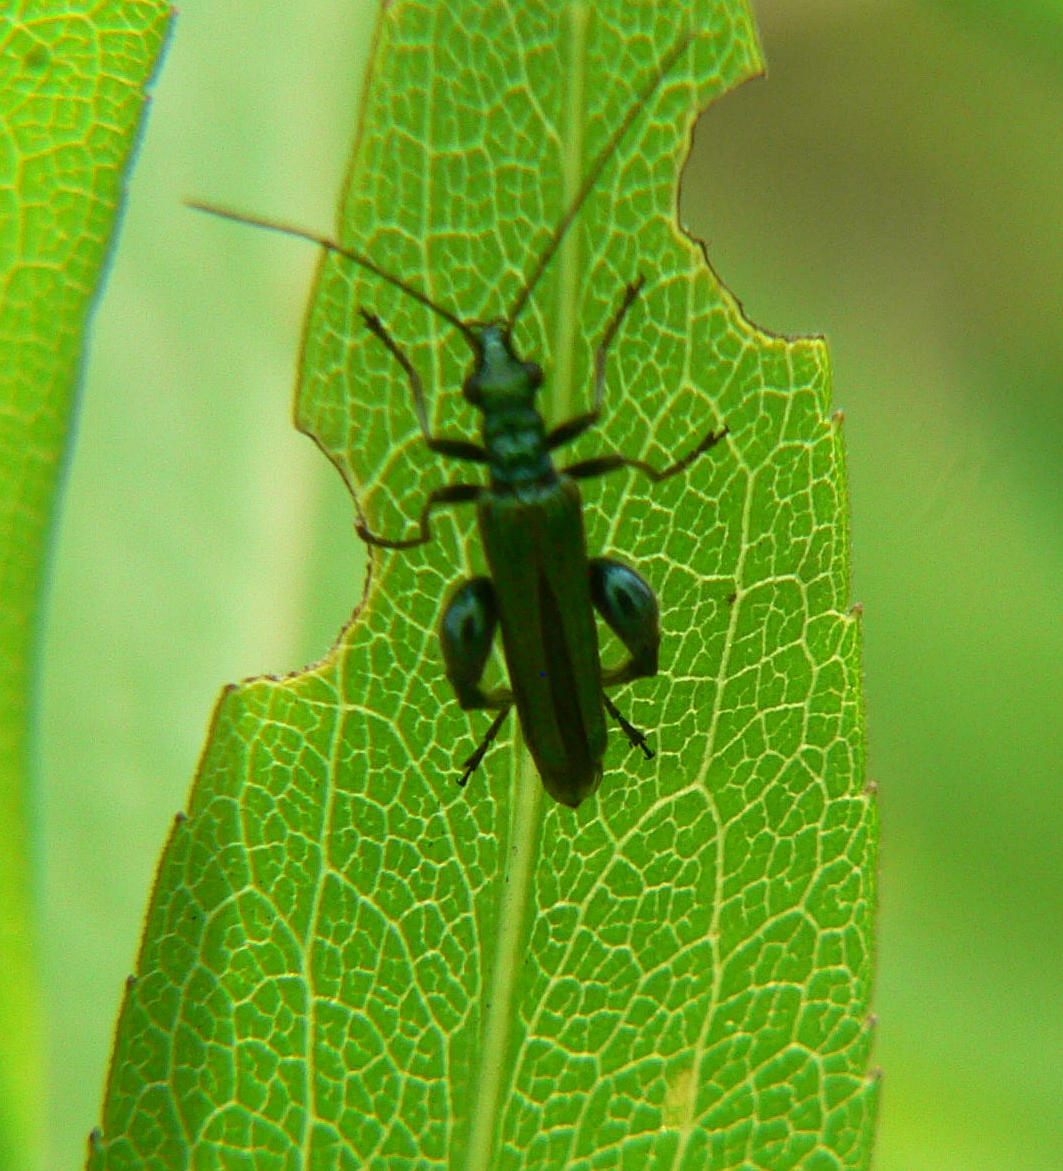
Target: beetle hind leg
(635,736)
(466,633)
(626,602)
(473,763)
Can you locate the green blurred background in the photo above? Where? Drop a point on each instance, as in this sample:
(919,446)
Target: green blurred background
(896,184)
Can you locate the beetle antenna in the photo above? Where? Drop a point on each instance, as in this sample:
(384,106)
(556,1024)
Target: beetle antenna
(358,258)
(595,173)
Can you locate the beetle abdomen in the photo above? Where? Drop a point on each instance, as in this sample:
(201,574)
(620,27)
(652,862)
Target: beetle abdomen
(538,559)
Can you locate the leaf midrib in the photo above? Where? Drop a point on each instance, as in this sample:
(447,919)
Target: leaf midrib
(514,906)
(516,894)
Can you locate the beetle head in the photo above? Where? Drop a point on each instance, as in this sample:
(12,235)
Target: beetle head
(500,379)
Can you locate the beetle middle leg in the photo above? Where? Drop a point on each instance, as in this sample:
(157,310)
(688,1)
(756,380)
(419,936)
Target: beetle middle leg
(448,494)
(601,465)
(466,632)
(572,428)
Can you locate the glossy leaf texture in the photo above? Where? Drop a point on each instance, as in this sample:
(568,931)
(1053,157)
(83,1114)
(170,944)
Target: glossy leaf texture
(351,962)
(73,83)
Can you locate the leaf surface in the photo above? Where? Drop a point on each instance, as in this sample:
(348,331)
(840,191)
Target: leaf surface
(350,962)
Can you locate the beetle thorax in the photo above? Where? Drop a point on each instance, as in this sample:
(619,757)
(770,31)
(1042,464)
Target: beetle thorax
(503,388)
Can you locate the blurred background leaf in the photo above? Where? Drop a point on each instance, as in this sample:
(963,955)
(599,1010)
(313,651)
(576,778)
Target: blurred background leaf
(196,521)
(904,201)
(72,94)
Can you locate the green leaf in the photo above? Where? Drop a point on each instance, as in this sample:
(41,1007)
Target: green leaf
(349,961)
(72,92)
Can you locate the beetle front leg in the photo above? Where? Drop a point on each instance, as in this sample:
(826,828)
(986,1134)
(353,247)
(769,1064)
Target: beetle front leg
(565,432)
(466,634)
(441,444)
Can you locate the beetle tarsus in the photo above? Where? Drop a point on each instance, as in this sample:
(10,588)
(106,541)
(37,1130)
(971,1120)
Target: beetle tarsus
(636,738)
(473,763)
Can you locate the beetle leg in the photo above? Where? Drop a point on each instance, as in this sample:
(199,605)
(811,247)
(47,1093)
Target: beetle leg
(603,464)
(636,738)
(448,494)
(571,428)
(626,602)
(466,633)
(456,448)
(473,763)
